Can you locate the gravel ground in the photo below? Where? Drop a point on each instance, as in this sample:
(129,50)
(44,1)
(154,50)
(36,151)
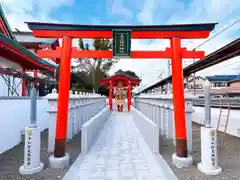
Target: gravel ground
(229,157)
(228,147)
(11,160)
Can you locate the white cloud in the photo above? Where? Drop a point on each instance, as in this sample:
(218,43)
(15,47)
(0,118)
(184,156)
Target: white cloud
(146,14)
(118,8)
(95,21)
(152,12)
(207,11)
(148,68)
(19,11)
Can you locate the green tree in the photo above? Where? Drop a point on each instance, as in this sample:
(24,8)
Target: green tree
(132,74)
(95,68)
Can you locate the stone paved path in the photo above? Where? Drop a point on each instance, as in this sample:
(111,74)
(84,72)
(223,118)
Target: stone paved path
(119,153)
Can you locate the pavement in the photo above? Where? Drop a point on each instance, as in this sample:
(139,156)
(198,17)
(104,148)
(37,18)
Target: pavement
(119,153)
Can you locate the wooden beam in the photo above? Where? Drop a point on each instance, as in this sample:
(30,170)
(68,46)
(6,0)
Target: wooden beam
(108,54)
(108,34)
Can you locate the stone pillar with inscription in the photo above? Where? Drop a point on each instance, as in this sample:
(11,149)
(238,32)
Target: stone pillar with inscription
(32,148)
(209,155)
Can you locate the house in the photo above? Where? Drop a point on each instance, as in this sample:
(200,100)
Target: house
(219,81)
(235,82)
(27,40)
(232,90)
(14,58)
(189,83)
(33,44)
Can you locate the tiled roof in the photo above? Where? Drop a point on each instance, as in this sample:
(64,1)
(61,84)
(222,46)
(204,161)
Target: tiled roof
(5,23)
(27,37)
(8,41)
(222,77)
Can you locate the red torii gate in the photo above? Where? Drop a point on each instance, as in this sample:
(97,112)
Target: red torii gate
(120,80)
(173,32)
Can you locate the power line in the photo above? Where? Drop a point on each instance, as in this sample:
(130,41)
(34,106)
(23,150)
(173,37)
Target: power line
(220,32)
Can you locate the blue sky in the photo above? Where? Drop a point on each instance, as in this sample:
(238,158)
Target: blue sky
(141,12)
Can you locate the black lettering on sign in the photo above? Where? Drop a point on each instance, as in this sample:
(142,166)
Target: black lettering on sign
(29,146)
(213,156)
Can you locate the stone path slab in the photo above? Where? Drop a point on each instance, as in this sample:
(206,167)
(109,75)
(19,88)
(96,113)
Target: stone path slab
(119,153)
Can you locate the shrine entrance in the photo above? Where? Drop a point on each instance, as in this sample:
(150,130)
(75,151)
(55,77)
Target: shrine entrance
(122,36)
(120,82)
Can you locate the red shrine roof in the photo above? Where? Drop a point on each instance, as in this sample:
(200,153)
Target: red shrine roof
(120,76)
(11,50)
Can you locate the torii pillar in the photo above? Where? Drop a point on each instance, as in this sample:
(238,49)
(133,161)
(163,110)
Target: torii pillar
(178,98)
(63,99)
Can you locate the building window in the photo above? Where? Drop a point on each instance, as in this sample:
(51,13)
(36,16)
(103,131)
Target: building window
(219,84)
(199,86)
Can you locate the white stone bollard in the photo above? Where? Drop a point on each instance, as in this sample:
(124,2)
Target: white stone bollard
(154,113)
(81,111)
(209,158)
(173,126)
(86,111)
(161,116)
(52,112)
(158,116)
(188,116)
(149,110)
(84,101)
(70,117)
(166,109)
(166,121)
(32,152)
(75,118)
(78,111)
(169,133)
(55,162)
(180,162)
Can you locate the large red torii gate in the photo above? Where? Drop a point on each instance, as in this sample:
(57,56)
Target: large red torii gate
(173,32)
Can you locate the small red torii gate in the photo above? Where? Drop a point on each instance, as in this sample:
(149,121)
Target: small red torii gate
(172,32)
(120,80)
